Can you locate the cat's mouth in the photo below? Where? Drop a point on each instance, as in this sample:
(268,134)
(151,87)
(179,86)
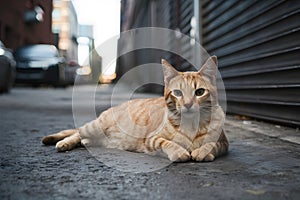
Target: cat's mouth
(189,112)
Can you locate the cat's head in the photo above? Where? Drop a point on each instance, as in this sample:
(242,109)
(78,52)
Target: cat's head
(187,92)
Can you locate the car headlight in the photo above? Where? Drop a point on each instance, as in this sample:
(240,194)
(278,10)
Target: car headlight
(2,51)
(86,70)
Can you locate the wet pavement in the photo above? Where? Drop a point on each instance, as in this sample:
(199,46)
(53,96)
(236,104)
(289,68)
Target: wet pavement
(263,161)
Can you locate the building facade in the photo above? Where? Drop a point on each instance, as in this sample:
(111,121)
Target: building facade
(65,28)
(25,22)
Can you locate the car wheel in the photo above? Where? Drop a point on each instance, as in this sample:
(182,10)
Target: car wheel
(10,80)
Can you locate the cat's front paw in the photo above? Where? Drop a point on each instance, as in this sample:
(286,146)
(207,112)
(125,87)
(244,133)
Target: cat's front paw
(62,146)
(180,155)
(204,153)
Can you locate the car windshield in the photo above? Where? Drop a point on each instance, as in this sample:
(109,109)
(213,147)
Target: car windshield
(36,52)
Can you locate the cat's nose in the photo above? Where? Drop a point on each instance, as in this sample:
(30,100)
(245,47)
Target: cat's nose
(188,105)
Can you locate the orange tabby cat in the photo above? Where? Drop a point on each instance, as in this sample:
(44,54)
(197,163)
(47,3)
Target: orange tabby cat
(187,123)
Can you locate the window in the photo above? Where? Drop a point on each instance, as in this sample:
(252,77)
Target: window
(56,14)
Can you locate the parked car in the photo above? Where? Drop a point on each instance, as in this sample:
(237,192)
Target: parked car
(7,69)
(41,64)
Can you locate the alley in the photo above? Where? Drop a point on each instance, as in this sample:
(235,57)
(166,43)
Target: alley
(263,161)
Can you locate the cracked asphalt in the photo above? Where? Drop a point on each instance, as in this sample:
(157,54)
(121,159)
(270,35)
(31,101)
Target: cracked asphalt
(261,164)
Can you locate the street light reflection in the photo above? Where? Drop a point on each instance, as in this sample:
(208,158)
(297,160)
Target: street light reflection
(84,71)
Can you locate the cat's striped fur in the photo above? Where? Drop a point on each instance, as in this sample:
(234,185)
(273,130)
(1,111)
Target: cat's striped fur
(187,123)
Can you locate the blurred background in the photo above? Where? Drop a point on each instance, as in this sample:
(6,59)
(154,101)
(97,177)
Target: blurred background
(257,43)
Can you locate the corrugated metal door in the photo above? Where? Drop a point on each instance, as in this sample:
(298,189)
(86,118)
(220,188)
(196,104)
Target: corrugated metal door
(258,45)
(170,14)
(184,13)
(176,15)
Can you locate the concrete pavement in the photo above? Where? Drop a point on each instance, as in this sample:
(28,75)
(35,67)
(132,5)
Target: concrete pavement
(263,162)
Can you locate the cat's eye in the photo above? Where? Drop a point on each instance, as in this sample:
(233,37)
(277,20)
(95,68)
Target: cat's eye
(199,92)
(177,93)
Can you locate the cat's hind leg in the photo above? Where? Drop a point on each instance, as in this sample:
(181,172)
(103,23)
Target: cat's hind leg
(68,143)
(54,138)
(65,140)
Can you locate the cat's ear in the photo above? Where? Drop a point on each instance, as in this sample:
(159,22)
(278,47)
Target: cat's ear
(169,71)
(210,68)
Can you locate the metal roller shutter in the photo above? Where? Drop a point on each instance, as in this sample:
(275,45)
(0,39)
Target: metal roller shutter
(258,46)
(176,15)
(171,14)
